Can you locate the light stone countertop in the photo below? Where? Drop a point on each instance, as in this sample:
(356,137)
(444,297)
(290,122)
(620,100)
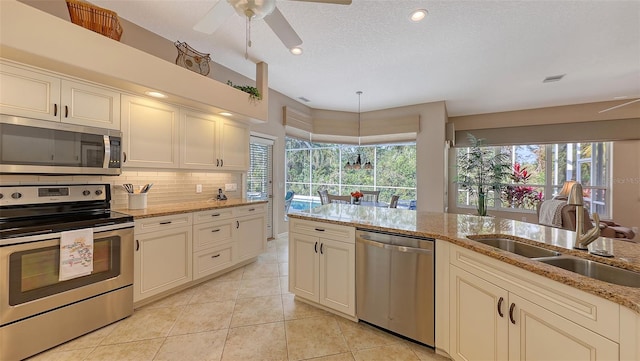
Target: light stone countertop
(455,228)
(187,207)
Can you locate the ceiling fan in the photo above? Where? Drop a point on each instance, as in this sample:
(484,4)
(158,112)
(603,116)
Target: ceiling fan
(255,10)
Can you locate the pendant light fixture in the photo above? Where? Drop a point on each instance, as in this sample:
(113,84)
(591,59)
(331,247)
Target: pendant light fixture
(358,163)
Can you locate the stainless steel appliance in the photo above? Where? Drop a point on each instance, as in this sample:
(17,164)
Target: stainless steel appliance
(395,284)
(43,147)
(37,310)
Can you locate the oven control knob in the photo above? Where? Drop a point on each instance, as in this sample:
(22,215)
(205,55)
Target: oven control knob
(16,195)
(98,192)
(86,193)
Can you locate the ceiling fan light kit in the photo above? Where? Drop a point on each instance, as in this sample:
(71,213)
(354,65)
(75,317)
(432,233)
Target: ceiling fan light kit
(256,10)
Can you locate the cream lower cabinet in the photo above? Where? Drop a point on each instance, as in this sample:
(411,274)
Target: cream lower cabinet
(322,264)
(251,231)
(496,315)
(38,94)
(214,246)
(163,254)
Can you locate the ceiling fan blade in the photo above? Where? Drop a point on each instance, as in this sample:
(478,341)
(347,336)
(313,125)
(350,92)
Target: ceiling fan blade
(619,106)
(218,14)
(339,2)
(283,29)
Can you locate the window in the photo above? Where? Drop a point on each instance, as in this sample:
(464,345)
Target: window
(547,168)
(311,167)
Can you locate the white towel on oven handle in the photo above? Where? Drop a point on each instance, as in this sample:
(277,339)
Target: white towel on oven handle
(76,253)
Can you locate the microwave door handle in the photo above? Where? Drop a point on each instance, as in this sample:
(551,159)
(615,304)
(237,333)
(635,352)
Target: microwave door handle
(107,151)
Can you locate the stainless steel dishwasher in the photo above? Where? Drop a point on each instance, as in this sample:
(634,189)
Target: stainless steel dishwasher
(395,283)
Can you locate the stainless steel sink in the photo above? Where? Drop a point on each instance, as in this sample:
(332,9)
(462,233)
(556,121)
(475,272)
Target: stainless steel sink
(595,270)
(519,248)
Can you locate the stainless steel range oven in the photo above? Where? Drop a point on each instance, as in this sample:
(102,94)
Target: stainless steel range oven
(39,308)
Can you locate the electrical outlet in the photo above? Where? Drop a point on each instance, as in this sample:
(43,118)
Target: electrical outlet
(230,187)
(198,188)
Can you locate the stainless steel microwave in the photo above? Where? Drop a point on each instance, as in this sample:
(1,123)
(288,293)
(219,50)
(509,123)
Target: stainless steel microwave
(31,146)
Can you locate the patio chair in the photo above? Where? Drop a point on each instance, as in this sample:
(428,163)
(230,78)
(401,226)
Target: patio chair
(324,197)
(334,198)
(394,201)
(370,196)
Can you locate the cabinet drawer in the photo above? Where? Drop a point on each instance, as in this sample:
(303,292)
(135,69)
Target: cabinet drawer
(159,223)
(585,309)
(212,215)
(206,236)
(249,210)
(210,261)
(325,230)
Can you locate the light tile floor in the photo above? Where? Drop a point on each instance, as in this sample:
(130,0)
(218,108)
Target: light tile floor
(244,315)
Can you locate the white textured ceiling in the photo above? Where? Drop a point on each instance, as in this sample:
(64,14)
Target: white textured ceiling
(478,56)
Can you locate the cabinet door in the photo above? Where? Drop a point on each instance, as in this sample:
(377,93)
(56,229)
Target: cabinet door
(153,273)
(539,334)
(478,332)
(29,94)
(150,133)
(234,146)
(89,105)
(199,134)
(337,276)
(304,277)
(251,236)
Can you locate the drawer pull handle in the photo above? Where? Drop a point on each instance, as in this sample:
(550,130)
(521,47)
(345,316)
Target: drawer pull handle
(251,209)
(215,230)
(237,224)
(511,308)
(216,256)
(215,215)
(319,229)
(167,222)
(500,306)
(315,247)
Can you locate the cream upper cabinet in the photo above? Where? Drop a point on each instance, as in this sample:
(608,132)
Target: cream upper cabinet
(35,94)
(150,133)
(322,264)
(233,147)
(499,312)
(199,135)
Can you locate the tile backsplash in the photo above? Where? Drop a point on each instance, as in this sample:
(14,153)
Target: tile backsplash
(173,186)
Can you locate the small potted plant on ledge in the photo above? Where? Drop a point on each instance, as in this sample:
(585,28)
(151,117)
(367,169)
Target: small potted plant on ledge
(254,93)
(482,169)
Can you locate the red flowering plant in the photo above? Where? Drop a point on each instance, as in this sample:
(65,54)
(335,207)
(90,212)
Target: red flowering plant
(357,195)
(521,196)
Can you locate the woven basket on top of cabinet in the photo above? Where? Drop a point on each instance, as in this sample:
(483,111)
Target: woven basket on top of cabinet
(95,18)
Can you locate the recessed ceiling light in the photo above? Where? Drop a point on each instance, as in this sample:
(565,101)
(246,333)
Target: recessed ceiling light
(155,94)
(553,78)
(418,15)
(296,50)
(226,114)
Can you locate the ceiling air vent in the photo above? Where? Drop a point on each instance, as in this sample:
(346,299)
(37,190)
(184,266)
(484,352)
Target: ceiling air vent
(553,78)
(304,99)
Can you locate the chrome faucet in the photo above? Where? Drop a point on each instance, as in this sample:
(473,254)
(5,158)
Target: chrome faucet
(576,199)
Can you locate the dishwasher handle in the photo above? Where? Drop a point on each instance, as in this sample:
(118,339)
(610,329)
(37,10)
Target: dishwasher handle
(392,247)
